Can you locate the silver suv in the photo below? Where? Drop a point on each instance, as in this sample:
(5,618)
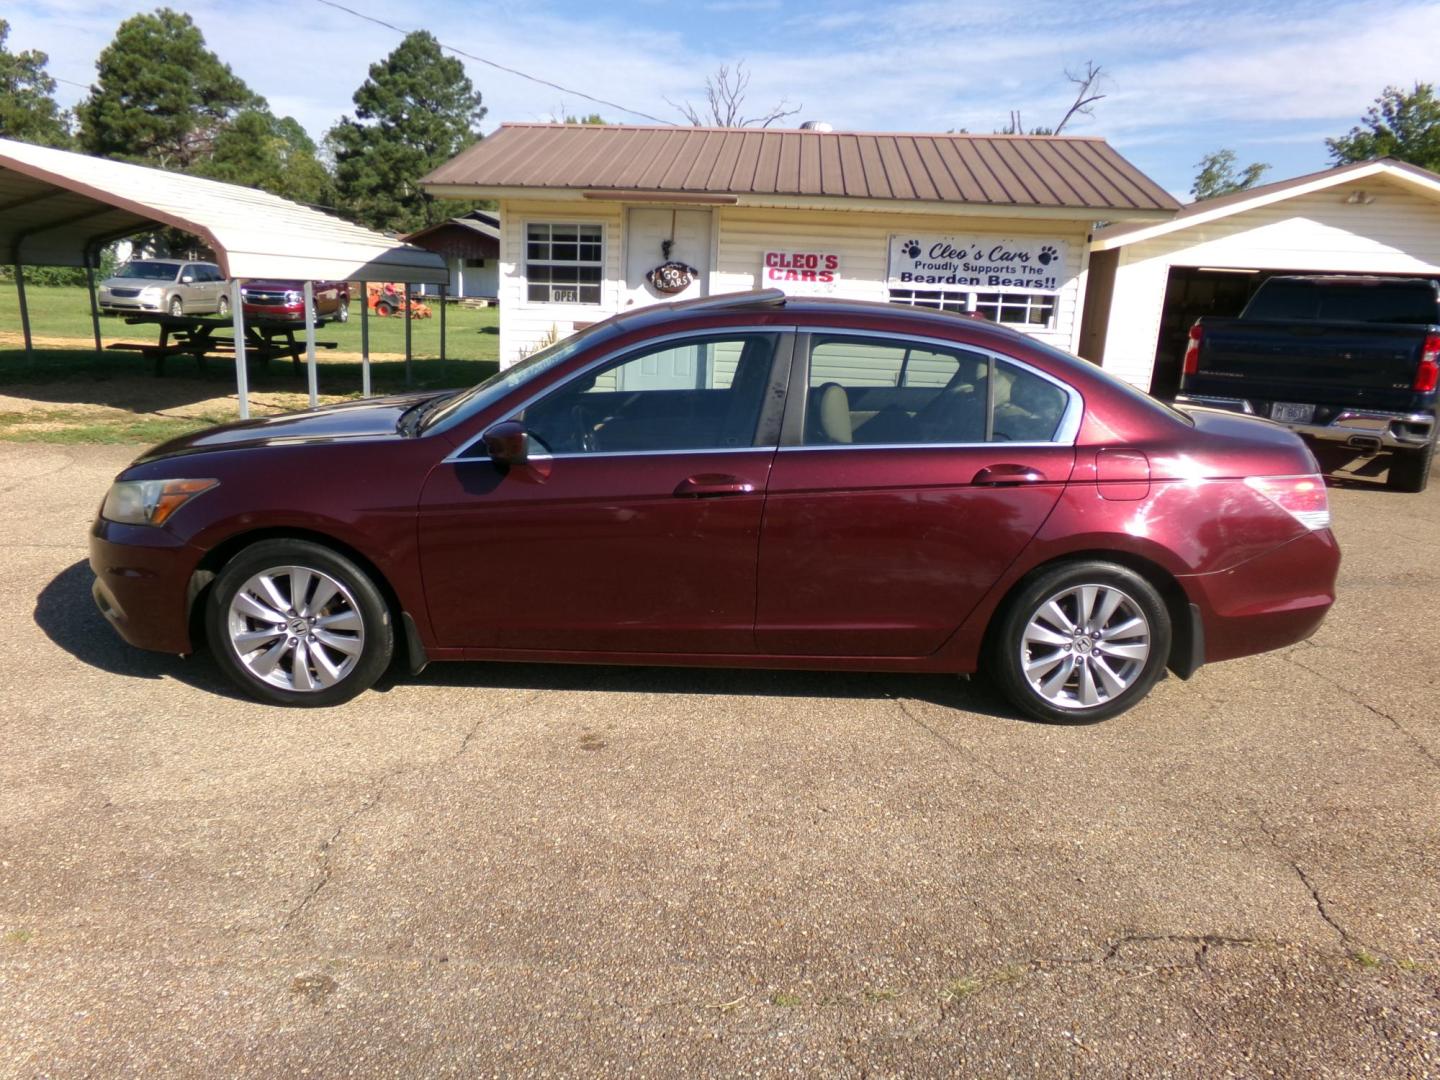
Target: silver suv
(171,286)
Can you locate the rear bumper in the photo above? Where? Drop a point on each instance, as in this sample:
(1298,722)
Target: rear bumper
(1269,602)
(1363,429)
(142,581)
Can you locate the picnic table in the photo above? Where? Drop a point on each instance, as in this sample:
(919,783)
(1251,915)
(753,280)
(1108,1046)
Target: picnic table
(203,335)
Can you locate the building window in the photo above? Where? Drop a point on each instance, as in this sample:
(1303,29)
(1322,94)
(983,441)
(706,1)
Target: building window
(564,263)
(474,264)
(1016,309)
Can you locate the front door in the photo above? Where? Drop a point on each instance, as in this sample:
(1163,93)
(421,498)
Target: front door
(647,234)
(918,475)
(636,525)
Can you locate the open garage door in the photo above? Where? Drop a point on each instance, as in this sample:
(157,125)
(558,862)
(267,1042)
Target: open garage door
(1191,293)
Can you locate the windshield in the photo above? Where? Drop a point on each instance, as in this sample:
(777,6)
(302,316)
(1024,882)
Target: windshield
(502,382)
(150,271)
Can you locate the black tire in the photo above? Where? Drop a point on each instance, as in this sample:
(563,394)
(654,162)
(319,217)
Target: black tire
(1410,469)
(1010,651)
(357,596)
(222,306)
(342,313)
(177,306)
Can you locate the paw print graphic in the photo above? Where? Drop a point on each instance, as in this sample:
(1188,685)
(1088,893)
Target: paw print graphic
(1047,255)
(911,248)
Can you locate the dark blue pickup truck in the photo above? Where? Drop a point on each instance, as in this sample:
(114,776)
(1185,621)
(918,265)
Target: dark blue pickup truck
(1346,361)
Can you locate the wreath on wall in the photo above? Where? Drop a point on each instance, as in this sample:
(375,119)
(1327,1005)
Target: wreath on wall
(672,277)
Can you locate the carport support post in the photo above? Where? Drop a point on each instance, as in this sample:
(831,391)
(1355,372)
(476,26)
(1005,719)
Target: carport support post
(364,339)
(94,308)
(242,373)
(24,307)
(443,290)
(310,344)
(409,299)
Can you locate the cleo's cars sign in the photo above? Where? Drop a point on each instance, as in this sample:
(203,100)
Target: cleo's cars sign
(987,263)
(800,272)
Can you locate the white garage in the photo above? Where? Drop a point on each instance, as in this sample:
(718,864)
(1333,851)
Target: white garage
(1149,282)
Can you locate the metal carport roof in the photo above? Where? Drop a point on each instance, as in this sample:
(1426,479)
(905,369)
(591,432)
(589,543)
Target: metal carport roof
(57,208)
(55,205)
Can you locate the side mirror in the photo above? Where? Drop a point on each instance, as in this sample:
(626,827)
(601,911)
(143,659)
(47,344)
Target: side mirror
(187,279)
(508,443)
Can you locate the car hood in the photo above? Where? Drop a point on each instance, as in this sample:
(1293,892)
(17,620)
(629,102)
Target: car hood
(368,419)
(135,283)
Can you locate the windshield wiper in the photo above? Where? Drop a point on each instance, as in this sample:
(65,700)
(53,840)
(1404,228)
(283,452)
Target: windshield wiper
(412,418)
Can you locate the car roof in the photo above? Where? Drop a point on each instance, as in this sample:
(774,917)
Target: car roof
(820,308)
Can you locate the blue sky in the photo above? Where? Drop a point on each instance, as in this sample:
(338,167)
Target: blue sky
(1269,79)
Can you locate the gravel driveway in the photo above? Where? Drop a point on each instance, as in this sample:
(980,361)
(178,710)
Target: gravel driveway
(577,871)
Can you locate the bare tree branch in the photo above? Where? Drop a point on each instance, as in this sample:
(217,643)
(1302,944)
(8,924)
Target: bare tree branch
(1086,94)
(724,101)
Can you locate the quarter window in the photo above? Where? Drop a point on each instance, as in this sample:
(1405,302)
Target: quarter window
(866,391)
(564,263)
(702,394)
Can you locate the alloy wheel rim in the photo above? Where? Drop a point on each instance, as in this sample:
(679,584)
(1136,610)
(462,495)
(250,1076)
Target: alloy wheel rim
(296,628)
(1085,646)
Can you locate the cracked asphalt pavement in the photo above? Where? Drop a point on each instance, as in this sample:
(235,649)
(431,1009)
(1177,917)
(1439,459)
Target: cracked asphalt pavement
(495,869)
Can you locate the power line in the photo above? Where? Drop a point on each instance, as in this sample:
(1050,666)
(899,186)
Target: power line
(500,67)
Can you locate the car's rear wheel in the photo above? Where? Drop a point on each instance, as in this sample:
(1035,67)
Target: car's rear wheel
(1410,469)
(177,306)
(1081,642)
(295,623)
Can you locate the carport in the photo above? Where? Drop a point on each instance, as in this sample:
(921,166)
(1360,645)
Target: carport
(59,208)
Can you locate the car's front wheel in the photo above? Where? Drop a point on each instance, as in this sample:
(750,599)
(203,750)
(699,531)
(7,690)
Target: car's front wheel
(177,306)
(222,306)
(295,623)
(1081,642)
(342,313)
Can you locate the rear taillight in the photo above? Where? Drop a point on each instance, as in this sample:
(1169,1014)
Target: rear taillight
(1302,497)
(1192,350)
(1428,373)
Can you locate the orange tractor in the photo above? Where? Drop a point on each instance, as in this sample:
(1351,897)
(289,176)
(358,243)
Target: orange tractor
(387,298)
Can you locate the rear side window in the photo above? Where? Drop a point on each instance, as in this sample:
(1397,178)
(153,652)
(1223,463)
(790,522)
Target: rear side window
(878,392)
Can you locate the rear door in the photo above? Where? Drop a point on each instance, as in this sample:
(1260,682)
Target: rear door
(911,474)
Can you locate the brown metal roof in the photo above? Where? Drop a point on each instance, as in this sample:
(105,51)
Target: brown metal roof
(1006,170)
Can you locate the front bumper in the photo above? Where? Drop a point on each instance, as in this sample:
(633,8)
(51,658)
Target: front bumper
(142,584)
(1270,601)
(1361,429)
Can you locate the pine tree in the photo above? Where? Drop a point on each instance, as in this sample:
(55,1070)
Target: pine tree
(162,98)
(417,110)
(28,111)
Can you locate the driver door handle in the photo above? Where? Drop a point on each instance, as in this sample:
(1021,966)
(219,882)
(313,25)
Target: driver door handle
(712,486)
(1002,475)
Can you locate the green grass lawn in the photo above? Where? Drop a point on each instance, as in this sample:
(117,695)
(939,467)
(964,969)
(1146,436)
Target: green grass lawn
(471,333)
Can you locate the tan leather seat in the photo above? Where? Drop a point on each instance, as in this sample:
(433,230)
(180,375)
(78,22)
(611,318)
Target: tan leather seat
(833,409)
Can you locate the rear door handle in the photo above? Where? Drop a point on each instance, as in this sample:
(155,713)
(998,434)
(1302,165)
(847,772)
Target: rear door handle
(1000,475)
(712,486)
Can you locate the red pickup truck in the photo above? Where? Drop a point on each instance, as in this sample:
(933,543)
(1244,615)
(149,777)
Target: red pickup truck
(286,300)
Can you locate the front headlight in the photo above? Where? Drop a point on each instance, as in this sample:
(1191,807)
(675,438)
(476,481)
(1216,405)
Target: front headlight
(153,290)
(150,502)
(293,297)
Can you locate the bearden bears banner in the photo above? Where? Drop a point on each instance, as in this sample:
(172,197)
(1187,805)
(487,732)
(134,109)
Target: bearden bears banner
(989,263)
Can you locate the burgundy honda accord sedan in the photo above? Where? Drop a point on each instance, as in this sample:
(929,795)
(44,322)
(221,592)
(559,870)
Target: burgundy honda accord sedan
(743,480)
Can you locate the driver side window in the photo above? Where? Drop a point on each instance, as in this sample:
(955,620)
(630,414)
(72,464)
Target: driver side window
(706,393)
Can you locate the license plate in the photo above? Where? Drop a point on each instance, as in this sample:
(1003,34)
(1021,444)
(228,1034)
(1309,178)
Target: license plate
(1289,413)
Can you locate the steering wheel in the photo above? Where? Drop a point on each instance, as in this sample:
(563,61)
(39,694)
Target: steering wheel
(582,430)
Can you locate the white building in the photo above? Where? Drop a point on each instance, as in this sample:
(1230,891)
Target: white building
(1149,282)
(596,219)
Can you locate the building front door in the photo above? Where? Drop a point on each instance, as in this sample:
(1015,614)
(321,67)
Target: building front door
(647,233)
